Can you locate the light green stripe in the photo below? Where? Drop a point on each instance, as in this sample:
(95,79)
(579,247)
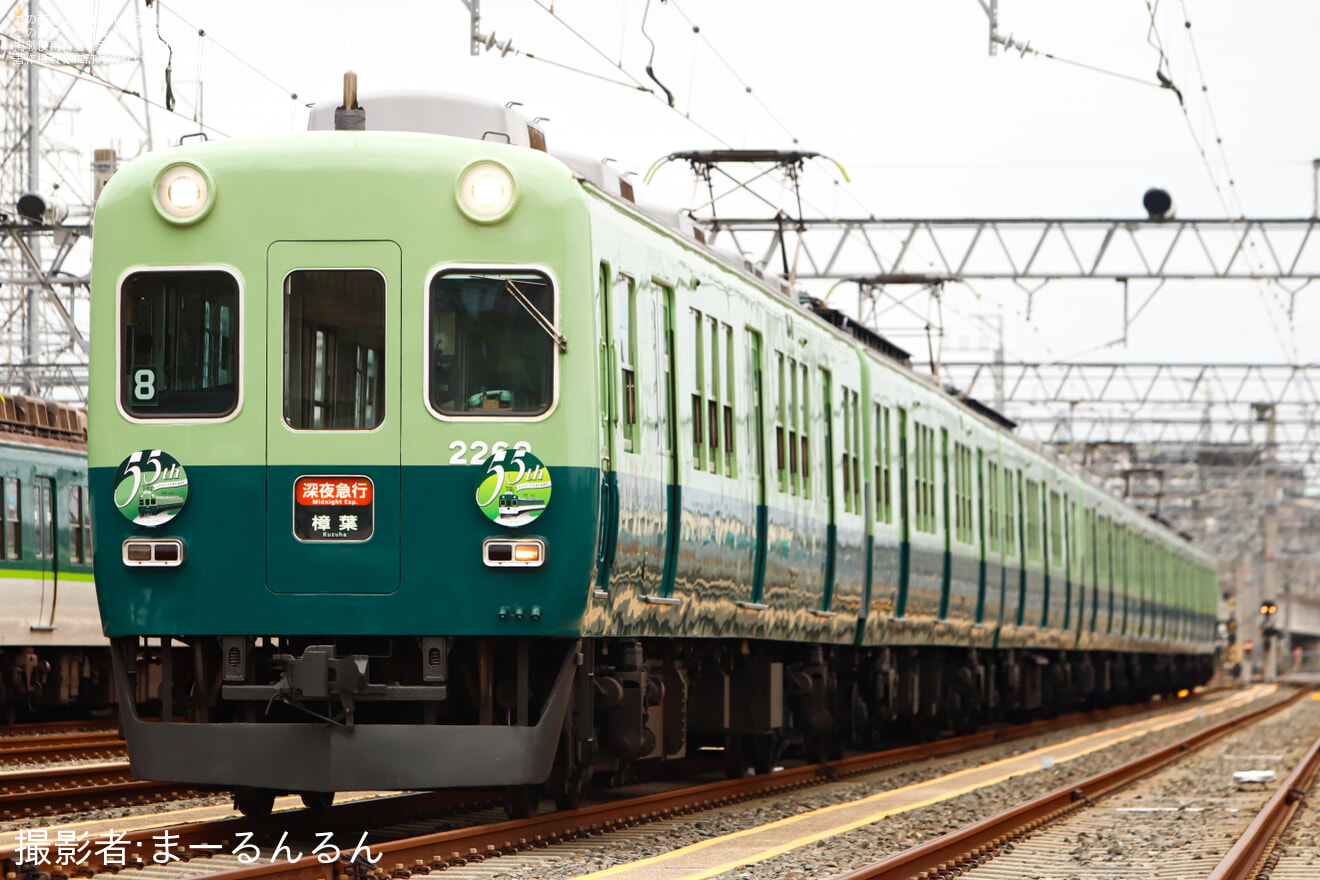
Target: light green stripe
(36,573)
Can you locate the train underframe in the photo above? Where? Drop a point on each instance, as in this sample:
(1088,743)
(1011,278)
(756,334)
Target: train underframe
(42,683)
(315,715)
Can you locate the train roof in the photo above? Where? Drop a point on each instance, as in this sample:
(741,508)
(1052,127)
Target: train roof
(31,421)
(461,116)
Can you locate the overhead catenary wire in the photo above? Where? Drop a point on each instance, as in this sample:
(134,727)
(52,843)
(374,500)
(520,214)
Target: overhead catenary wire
(1156,42)
(696,30)
(641,86)
(201,33)
(68,70)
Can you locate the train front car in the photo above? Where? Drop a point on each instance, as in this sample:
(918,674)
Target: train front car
(343,493)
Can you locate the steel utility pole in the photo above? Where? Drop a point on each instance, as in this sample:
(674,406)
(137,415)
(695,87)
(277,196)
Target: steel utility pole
(1269,527)
(32,316)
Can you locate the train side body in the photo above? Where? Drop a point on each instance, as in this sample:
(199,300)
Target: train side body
(552,491)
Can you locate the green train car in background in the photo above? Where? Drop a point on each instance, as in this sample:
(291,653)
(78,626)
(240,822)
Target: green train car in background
(483,474)
(54,660)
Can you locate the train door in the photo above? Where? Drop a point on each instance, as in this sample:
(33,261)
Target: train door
(333,414)
(669,426)
(43,543)
(905,516)
(609,485)
(832,522)
(980,535)
(946,580)
(756,389)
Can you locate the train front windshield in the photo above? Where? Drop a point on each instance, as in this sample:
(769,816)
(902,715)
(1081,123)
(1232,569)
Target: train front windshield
(178,344)
(491,355)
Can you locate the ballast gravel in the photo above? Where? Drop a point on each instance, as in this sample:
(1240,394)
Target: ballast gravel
(895,833)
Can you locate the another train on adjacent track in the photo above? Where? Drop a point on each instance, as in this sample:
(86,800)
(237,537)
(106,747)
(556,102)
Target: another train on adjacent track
(480,473)
(54,659)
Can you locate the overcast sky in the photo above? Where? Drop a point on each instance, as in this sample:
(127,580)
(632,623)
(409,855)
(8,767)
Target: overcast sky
(904,95)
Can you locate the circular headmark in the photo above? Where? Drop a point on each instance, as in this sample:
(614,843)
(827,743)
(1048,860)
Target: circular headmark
(513,488)
(151,487)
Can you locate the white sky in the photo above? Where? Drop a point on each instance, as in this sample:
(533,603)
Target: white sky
(904,95)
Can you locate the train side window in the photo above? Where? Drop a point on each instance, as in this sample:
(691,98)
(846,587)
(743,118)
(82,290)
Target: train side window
(781,463)
(794,407)
(75,524)
(730,460)
(804,432)
(492,350)
(44,508)
(924,478)
(962,493)
(13,519)
(631,439)
(1010,514)
(1032,515)
(846,452)
(178,356)
(993,499)
(1056,529)
(698,405)
(712,385)
(883,510)
(334,349)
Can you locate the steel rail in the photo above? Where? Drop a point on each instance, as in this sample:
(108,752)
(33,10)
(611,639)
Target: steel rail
(62,747)
(438,851)
(80,787)
(53,728)
(981,841)
(1255,847)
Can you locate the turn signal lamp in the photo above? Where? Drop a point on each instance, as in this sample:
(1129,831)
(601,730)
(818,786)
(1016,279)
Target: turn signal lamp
(153,552)
(485,192)
(505,553)
(184,193)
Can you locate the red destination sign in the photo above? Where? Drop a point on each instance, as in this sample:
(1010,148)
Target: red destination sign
(332,491)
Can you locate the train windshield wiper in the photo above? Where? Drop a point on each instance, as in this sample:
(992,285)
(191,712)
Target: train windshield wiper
(546,324)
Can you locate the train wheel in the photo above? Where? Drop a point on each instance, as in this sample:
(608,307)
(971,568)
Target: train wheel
(318,801)
(521,801)
(569,795)
(254,802)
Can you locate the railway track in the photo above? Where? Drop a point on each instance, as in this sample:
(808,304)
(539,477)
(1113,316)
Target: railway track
(1261,851)
(81,787)
(456,848)
(56,728)
(1017,840)
(51,747)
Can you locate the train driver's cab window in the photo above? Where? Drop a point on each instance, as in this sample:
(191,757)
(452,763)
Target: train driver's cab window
(179,355)
(334,349)
(492,345)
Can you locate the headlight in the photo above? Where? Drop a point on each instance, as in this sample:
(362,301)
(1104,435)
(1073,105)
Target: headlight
(184,193)
(485,192)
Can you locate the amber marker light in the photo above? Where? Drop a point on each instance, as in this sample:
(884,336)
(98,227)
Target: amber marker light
(513,553)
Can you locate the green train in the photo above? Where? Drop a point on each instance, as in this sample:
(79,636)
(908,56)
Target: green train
(491,476)
(54,659)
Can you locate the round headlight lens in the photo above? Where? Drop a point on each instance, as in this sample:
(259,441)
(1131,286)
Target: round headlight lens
(485,192)
(183,193)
